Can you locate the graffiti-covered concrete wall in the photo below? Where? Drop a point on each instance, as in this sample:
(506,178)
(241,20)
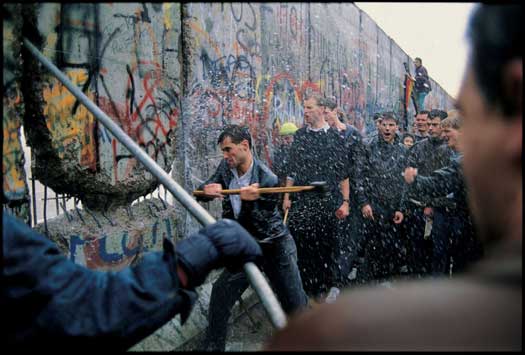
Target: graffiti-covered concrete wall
(15,188)
(173,75)
(125,58)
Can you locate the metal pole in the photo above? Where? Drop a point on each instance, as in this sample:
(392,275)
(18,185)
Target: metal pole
(256,278)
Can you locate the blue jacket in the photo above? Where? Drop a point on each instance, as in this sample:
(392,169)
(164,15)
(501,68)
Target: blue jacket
(50,302)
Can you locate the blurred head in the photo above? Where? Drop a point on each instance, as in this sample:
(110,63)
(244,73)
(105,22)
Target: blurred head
(235,143)
(408,140)
(377,120)
(490,102)
(313,110)
(389,126)
(418,62)
(434,122)
(451,130)
(330,111)
(287,132)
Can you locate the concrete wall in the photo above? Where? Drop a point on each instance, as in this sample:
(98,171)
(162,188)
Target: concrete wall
(14,186)
(173,75)
(125,58)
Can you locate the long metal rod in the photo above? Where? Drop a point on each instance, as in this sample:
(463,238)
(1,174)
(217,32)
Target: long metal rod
(256,278)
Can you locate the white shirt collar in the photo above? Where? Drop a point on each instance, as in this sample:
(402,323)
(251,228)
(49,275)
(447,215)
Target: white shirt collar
(325,128)
(248,173)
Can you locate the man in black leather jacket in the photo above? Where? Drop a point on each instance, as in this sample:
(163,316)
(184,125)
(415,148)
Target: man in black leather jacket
(426,155)
(380,199)
(260,216)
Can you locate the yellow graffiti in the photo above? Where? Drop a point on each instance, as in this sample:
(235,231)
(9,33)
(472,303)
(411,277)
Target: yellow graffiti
(166,11)
(200,32)
(14,183)
(67,127)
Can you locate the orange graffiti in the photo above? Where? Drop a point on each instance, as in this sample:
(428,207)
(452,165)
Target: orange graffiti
(67,127)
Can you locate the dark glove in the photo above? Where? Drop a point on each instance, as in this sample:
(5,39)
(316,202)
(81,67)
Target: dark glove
(225,243)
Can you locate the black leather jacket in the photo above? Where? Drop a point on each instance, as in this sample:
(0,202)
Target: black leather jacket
(381,182)
(260,217)
(428,155)
(448,184)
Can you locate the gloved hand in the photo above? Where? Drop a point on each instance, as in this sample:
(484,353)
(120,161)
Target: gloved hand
(225,243)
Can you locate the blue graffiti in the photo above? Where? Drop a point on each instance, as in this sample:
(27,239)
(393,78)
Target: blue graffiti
(76,241)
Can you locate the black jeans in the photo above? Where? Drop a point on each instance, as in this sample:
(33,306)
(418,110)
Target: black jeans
(352,241)
(419,248)
(315,228)
(384,244)
(280,266)
(453,236)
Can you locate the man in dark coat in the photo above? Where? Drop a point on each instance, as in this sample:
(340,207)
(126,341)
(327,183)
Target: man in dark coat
(351,232)
(319,154)
(259,215)
(422,86)
(380,198)
(426,156)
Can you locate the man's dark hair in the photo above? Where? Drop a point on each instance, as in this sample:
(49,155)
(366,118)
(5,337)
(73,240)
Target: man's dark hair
(236,133)
(390,115)
(377,116)
(329,103)
(437,113)
(342,116)
(408,135)
(423,112)
(419,59)
(495,33)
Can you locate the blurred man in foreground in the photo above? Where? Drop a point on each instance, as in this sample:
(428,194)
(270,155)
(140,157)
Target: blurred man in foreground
(481,310)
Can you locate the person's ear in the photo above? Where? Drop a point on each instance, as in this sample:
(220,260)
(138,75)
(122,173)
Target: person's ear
(513,109)
(513,89)
(512,144)
(245,144)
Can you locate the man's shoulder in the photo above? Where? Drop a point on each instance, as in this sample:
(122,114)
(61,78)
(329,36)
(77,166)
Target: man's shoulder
(419,146)
(431,314)
(266,175)
(300,132)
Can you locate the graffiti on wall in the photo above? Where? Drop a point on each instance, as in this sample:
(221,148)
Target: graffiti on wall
(14,180)
(15,197)
(68,126)
(125,59)
(251,64)
(118,250)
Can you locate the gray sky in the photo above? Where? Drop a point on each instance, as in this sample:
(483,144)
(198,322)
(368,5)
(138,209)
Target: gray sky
(435,32)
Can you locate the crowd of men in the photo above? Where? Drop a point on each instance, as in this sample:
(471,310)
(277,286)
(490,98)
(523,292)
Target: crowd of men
(374,225)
